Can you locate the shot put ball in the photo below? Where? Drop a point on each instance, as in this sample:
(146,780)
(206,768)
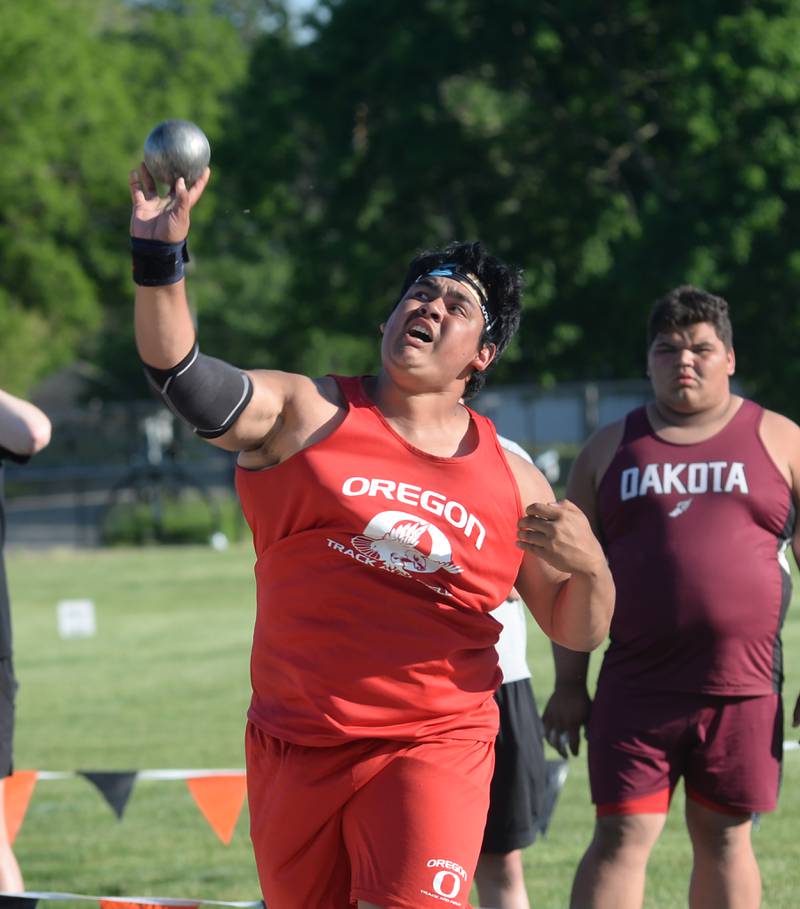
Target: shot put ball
(176,148)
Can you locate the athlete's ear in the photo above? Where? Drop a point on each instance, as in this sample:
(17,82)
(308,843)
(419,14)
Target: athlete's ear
(484,357)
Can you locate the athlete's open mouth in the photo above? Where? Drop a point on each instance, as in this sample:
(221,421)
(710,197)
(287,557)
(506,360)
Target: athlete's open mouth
(418,329)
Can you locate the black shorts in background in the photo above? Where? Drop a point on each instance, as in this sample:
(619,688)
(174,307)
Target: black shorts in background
(8,690)
(518,786)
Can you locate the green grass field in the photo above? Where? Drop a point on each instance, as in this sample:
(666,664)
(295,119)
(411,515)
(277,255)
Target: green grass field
(164,683)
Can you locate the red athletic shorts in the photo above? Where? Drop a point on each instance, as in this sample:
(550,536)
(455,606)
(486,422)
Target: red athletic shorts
(727,749)
(398,824)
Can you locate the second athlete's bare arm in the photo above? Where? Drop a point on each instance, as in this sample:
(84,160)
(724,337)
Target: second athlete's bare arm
(564,578)
(567,710)
(781,438)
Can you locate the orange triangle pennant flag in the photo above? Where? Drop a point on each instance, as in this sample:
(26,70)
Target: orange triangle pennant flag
(220,798)
(18,789)
(122,904)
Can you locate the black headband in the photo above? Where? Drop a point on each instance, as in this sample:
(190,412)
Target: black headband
(452,270)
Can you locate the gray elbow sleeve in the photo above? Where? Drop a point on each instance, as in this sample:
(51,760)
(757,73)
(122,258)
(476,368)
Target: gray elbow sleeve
(207,393)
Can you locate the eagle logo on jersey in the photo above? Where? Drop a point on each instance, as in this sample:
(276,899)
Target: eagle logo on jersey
(681,507)
(406,545)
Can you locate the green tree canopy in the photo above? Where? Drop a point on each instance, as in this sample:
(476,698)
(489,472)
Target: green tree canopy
(63,130)
(614,153)
(81,85)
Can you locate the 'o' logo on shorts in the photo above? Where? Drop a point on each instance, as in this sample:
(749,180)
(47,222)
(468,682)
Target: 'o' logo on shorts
(448,879)
(444,880)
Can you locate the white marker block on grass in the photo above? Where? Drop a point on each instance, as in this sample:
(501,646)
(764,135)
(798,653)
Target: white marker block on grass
(76,619)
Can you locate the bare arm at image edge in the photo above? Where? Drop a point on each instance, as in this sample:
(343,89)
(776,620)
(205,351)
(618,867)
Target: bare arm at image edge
(24,428)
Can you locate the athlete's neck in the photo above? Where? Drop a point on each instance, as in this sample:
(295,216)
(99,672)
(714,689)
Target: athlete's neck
(698,424)
(433,421)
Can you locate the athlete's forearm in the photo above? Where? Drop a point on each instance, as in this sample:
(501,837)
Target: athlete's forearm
(165,331)
(583,609)
(571,667)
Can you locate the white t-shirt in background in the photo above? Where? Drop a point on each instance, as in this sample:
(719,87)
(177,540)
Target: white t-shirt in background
(512,645)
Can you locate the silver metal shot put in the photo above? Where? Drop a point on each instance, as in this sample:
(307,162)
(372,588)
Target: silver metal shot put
(176,148)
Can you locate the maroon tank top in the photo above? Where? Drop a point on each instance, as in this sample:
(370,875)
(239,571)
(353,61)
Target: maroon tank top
(696,538)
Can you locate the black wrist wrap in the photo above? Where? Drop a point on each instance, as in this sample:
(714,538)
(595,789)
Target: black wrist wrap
(157,264)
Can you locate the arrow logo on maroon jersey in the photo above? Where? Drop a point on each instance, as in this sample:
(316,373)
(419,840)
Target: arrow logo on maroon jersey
(680,508)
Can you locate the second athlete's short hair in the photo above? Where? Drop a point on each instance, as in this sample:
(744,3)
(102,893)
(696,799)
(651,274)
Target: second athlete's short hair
(687,305)
(503,284)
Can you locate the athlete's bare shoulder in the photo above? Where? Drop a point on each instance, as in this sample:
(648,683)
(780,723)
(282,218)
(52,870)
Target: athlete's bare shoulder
(301,397)
(779,425)
(509,445)
(308,409)
(598,452)
(781,438)
(590,467)
(531,482)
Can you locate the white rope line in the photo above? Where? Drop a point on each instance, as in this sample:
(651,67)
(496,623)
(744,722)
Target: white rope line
(162,774)
(184,774)
(160,900)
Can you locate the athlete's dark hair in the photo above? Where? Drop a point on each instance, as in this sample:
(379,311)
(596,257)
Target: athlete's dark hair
(503,285)
(687,305)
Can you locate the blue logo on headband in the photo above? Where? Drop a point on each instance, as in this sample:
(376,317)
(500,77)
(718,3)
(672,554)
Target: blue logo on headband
(451,270)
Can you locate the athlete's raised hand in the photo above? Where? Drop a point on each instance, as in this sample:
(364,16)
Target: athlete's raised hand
(164,218)
(559,533)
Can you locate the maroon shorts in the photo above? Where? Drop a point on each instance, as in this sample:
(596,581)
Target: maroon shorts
(727,749)
(398,824)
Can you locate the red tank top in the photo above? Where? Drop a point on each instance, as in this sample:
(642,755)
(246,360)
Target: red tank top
(376,567)
(695,536)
